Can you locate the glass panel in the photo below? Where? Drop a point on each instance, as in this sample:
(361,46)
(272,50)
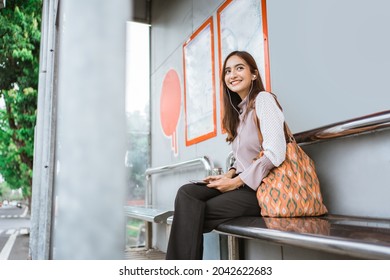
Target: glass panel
(138,124)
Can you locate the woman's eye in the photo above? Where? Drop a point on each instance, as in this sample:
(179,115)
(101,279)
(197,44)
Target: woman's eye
(227,71)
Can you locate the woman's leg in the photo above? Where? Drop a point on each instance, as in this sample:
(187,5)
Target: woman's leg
(237,203)
(186,237)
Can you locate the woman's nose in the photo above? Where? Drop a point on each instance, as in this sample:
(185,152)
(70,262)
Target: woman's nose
(233,73)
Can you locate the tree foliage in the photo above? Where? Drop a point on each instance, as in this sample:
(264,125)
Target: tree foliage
(137,159)
(19,67)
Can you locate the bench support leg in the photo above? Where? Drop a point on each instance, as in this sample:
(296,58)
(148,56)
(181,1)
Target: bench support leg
(233,248)
(149,235)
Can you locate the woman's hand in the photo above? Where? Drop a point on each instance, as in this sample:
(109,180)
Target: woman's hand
(228,174)
(224,183)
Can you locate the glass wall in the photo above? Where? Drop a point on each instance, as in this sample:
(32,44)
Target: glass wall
(138,123)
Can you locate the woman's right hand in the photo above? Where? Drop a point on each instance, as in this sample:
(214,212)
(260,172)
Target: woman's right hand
(230,174)
(212,178)
(225,184)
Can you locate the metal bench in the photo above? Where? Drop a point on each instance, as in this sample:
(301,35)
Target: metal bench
(359,237)
(154,214)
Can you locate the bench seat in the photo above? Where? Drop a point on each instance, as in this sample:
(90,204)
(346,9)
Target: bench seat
(148,213)
(358,237)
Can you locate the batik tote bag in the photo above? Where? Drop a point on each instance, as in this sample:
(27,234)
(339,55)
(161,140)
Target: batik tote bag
(292,189)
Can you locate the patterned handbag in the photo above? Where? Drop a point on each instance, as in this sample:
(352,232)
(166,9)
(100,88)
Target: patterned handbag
(292,189)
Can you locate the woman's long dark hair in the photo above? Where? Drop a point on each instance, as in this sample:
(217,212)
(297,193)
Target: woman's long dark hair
(230,118)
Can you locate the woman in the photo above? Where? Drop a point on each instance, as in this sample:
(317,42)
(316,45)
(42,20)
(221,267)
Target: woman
(201,208)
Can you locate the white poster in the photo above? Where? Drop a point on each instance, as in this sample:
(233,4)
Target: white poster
(198,53)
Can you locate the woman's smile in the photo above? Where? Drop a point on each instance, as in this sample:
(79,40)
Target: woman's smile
(235,82)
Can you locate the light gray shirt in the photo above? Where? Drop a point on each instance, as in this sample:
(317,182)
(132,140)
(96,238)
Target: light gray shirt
(246,145)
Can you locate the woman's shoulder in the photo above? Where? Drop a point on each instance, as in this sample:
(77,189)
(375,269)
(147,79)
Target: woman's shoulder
(266,101)
(264,97)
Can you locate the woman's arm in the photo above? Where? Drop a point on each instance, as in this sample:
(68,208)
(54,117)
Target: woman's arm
(272,128)
(271,121)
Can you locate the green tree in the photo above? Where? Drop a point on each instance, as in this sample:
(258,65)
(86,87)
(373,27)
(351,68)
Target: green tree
(138,154)
(19,67)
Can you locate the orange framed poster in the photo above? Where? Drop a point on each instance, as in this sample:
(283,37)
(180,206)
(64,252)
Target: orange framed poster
(242,25)
(199,85)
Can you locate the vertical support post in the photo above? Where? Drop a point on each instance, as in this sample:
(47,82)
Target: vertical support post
(148,191)
(44,140)
(233,248)
(148,202)
(149,235)
(90,150)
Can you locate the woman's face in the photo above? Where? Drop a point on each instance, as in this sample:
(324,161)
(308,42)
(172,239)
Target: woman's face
(238,77)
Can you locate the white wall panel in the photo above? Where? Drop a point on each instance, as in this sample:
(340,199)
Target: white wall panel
(329,59)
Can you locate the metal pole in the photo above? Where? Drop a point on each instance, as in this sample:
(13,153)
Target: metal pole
(44,143)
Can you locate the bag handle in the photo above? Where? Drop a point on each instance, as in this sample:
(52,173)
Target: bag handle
(287,132)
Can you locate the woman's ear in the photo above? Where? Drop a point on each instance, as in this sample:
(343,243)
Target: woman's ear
(254,76)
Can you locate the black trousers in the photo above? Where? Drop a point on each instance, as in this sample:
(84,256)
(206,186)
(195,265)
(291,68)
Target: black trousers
(199,209)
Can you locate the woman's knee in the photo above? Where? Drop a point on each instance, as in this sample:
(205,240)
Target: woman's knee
(185,189)
(197,192)
(185,192)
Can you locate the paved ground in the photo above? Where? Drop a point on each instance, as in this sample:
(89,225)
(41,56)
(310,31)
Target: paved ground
(15,239)
(14,233)
(20,250)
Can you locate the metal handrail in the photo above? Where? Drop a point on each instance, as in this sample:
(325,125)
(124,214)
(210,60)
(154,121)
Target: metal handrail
(205,161)
(229,161)
(351,127)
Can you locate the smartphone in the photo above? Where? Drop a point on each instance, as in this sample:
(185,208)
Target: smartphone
(199,182)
